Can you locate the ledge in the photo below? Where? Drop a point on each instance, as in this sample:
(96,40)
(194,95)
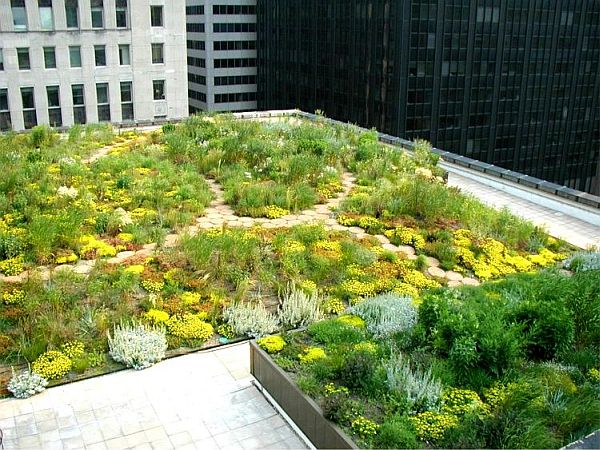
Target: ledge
(303,410)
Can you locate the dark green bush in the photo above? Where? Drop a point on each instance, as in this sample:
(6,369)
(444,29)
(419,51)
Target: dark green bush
(358,369)
(333,331)
(397,432)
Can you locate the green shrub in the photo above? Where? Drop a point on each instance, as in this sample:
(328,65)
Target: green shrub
(397,432)
(333,331)
(358,369)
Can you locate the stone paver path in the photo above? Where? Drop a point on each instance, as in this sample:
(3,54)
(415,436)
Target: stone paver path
(202,400)
(577,232)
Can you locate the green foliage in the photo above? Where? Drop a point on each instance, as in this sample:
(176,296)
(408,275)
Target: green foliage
(334,331)
(397,432)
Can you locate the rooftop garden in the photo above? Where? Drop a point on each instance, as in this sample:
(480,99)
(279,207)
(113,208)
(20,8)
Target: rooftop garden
(117,250)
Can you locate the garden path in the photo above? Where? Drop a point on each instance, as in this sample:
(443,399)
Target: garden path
(219,214)
(570,229)
(205,400)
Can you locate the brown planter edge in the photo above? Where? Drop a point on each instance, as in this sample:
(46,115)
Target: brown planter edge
(303,410)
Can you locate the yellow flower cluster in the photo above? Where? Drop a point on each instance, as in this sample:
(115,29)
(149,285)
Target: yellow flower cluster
(545,257)
(226,330)
(352,320)
(13,297)
(331,389)
(365,346)
(406,289)
(153,286)
(73,349)
(355,271)
(369,223)
(275,212)
(125,237)
(52,365)
(190,326)
(142,213)
(329,249)
(461,401)
(406,236)
(64,259)
(311,354)
(594,375)
(135,269)
(190,298)
(431,426)
(356,288)
(364,427)
(308,286)
(334,306)
(346,221)
(12,266)
(419,280)
(156,316)
(292,246)
(271,344)
(92,247)
(495,395)
(325,192)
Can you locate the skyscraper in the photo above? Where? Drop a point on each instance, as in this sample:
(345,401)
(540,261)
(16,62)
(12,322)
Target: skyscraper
(221,43)
(515,83)
(64,62)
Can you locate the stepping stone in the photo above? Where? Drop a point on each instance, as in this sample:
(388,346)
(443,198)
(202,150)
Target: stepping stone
(206,225)
(381,238)
(454,276)
(63,268)
(171,240)
(150,246)
(145,252)
(356,230)
(454,283)
(338,227)
(82,269)
(14,278)
(330,222)
(406,249)
(436,272)
(125,255)
(471,282)
(432,261)
(390,247)
(192,230)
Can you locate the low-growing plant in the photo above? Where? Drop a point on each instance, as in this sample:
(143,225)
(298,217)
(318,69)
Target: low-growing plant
(137,345)
(335,331)
(26,383)
(52,365)
(583,261)
(387,314)
(271,344)
(250,320)
(397,432)
(298,309)
(422,390)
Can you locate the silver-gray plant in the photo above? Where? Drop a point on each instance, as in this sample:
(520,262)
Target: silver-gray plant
(26,383)
(298,309)
(137,345)
(251,320)
(387,314)
(583,261)
(421,388)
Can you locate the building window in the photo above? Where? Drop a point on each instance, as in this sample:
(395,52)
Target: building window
(234,27)
(97,13)
(157,54)
(234,62)
(194,27)
(156,16)
(46,17)
(124,59)
(100,55)
(54,114)
(121,13)
(72,13)
(235,97)
(29,116)
(78,103)
(103,102)
(19,14)
(194,10)
(1,60)
(23,58)
(4,111)
(49,58)
(158,89)
(234,9)
(234,45)
(196,45)
(126,101)
(75,55)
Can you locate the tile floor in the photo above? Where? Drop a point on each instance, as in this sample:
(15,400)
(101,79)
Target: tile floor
(199,401)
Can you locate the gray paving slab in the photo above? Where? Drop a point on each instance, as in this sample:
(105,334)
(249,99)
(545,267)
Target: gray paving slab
(199,401)
(577,232)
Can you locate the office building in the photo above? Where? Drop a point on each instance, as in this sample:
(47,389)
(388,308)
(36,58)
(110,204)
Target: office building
(221,49)
(514,83)
(64,62)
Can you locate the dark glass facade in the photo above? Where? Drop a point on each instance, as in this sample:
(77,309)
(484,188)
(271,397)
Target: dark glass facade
(514,82)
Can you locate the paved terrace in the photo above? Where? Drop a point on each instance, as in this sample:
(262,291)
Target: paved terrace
(203,400)
(558,224)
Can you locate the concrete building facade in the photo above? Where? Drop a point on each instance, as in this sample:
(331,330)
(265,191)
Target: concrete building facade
(64,62)
(221,46)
